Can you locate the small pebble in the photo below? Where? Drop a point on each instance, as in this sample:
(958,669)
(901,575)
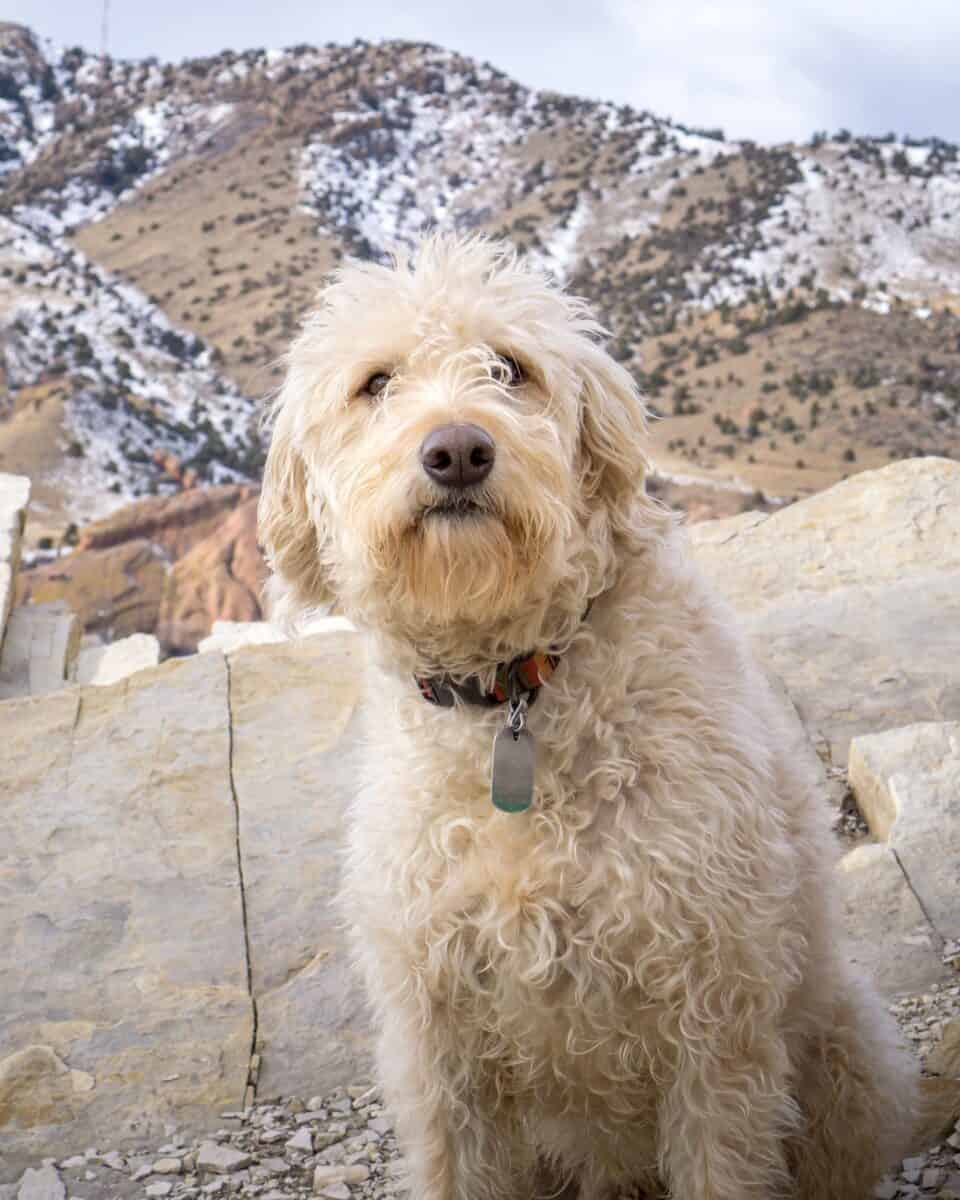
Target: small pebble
(167,1166)
(302,1140)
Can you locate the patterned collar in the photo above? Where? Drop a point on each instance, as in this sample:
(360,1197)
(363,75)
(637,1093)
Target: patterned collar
(522,677)
(526,674)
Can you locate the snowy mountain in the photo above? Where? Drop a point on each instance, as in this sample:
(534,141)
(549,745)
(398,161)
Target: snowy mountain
(791,311)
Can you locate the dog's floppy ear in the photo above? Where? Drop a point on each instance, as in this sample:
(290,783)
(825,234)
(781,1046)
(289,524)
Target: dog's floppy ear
(290,523)
(612,428)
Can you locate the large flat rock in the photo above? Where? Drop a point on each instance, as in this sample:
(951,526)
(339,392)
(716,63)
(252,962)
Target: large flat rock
(122,957)
(907,785)
(852,597)
(295,710)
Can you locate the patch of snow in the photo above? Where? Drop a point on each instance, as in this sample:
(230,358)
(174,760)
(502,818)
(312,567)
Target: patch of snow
(559,252)
(849,217)
(136,385)
(412,161)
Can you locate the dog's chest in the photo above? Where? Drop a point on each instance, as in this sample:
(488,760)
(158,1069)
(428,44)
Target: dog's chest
(521,944)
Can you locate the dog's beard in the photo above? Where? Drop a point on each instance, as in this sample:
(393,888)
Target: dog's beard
(464,561)
(470,565)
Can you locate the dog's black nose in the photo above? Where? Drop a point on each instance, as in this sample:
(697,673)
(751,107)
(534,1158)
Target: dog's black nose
(457,456)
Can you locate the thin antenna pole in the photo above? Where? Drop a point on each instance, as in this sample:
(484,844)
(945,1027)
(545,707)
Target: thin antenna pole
(104,27)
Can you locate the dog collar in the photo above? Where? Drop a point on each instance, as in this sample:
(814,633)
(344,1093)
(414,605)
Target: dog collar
(519,679)
(526,674)
(517,683)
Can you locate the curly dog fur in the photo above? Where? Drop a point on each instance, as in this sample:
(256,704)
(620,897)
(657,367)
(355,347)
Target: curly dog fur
(637,982)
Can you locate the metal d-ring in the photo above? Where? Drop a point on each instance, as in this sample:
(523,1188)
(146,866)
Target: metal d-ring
(517,711)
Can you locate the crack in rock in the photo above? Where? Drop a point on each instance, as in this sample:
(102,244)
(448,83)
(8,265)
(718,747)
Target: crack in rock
(253,1063)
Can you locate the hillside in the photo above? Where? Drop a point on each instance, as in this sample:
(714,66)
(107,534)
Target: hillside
(793,312)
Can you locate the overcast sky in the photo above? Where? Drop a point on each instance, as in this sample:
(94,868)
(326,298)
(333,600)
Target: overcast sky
(771,71)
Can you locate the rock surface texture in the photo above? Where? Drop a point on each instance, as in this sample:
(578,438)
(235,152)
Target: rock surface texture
(295,716)
(852,597)
(219,578)
(907,784)
(122,916)
(141,949)
(890,935)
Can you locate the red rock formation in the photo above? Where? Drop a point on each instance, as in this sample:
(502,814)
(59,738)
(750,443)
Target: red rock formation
(219,579)
(174,522)
(164,565)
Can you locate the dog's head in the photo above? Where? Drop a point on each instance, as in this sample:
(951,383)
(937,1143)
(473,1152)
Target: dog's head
(453,455)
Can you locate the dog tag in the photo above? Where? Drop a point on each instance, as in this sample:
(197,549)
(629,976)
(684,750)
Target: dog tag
(511,784)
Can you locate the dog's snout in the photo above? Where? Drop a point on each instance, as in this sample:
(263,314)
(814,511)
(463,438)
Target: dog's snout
(457,456)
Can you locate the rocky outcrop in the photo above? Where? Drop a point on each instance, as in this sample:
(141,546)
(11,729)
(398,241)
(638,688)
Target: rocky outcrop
(220,578)
(39,650)
(168,566)
(852,598)
(115,592)
(175,523)
(167,872)
(14,494)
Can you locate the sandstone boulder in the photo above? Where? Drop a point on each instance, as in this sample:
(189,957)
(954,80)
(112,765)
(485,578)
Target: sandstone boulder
(907,785)
(852,597)
(167,873)
(889,935)
(122,956)
(103,665)
(231,635)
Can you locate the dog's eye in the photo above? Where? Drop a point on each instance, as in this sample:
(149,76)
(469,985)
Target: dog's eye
(509,371)
(376,383)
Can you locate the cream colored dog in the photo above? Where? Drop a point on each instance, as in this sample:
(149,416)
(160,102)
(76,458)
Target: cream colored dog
(637,981)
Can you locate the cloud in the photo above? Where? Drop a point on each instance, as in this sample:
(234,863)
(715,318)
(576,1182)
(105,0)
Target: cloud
(780,71)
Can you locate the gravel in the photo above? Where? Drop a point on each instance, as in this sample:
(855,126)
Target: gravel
(922,1018)
(342,1147)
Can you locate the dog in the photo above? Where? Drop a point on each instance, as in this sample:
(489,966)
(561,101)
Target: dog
(589,889)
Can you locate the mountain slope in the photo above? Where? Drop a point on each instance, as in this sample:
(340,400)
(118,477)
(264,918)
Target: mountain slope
(791,311)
